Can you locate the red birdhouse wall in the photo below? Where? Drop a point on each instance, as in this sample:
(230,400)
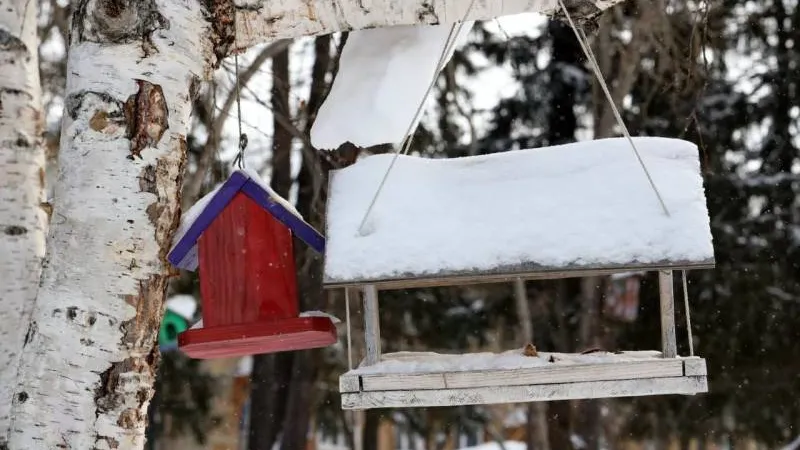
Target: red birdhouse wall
(247,268)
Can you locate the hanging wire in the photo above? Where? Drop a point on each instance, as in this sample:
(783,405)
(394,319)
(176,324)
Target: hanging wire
(349,339)
(239,160)
(452,36)
(688,313)
(587,50)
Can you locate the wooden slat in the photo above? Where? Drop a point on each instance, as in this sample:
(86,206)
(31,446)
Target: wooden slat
(694,366)
(372,327)
(669,344)
(517,394)
(349,383)
(555,373)
(508,274)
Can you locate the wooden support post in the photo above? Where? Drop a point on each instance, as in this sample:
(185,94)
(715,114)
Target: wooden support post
(372,328)
(666,294)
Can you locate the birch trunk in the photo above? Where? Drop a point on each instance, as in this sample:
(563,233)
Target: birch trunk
(90,351)
(22,219)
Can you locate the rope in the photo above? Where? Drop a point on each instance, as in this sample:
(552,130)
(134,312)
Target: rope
(688,313)
(587,50)
(455,30)
(239,160)
(349,339)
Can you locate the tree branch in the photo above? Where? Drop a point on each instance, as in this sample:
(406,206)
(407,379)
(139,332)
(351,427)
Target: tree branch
(264,20)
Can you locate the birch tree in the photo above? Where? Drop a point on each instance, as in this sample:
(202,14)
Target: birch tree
(89,351)
(89,358)
(22,219)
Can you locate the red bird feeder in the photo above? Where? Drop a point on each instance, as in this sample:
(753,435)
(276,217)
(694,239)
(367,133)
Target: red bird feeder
(240,237)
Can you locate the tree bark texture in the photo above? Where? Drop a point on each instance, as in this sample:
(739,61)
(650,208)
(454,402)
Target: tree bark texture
(259,21)
(90,351)
(23,219)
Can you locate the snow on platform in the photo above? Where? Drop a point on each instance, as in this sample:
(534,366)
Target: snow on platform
(507,445)
(581,206)
(383,75)
(430,362)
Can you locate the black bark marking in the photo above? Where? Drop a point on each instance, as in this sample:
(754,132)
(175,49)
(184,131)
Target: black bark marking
(72,312)
(15,230)
(30,333)
(75,103)
(120,22)
(11,43)
(22,397)
(427,14)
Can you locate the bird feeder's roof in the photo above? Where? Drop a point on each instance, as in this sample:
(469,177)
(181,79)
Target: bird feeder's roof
(571,210)
(200,216)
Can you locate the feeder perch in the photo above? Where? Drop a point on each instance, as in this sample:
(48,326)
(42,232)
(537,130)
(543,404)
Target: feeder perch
(240,238)
(576,210)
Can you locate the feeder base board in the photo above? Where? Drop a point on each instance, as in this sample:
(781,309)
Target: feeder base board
(299,333)
(434,380)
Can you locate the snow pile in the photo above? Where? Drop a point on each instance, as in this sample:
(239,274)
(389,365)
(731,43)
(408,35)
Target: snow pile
(428,362)
(332,318)
(182,305)
(581,204)
(382,79)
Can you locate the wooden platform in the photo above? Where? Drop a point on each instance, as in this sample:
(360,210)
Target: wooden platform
(412,380)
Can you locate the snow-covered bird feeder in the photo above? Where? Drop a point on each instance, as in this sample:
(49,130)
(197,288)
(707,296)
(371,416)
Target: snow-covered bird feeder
(575,210)
(240,238)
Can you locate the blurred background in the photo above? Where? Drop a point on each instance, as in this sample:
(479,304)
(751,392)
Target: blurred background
(724,74)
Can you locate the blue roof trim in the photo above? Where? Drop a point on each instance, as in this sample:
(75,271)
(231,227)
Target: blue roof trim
(184,247)
(297,225)
(184,253)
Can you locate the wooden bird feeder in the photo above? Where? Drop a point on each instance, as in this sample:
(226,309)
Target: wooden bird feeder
(576,210)
(240,238)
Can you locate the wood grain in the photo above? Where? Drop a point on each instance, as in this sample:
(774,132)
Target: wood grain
(565,373)
(669,345)
(504,274)
(515,394)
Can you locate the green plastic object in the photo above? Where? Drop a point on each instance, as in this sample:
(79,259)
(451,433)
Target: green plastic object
(172,325)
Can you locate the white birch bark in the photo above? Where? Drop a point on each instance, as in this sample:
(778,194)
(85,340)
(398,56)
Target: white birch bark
(89,361)
(22,219)
(259,21)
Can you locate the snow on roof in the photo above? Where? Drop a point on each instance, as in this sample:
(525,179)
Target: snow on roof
(586,204)
(200,216)
(383,75)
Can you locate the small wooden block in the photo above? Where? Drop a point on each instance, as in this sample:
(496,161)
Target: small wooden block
(299,333)
(389,382)
(694,366)
(517,394)
(349,383)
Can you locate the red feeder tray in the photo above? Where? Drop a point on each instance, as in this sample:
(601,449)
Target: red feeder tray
(240,237)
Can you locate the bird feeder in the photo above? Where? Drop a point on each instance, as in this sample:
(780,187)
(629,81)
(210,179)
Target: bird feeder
(240,238)
(575,210)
